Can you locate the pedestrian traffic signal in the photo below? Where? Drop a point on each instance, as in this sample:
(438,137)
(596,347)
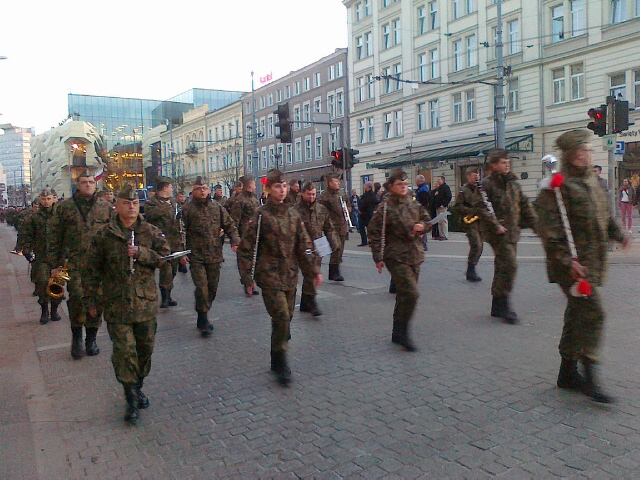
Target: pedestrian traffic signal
(284,123)
(599,123)
(336,159)
(620,116)
(350,157)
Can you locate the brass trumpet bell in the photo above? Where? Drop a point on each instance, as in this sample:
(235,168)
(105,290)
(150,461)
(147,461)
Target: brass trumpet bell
(55,287)
(468,219)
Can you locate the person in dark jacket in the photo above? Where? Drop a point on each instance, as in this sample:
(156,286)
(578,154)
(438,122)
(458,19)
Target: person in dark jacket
(366,207)
(423,196)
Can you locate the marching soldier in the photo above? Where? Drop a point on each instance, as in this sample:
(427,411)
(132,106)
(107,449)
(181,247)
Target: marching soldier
(124,256)
(162,212)
(76,221)
(203,219)
(502,229)
(395,233)
(592,226)
(282,247)
(318,224)
(333,201)
(294,193)
(468,202)
(181,198)
(37,229)
(243,210)
(237,190)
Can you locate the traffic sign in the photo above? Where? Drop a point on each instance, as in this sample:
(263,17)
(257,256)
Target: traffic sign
(609,142)
(619,148)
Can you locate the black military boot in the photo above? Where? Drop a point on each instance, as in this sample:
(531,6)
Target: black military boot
(472,276)
(507,313)
(334,273)
(392,287)
(170,301)
(44,316)
(90,342)
(313,306)
(403,338)
(282,371)
(182,268)
(77,351)
(304,303)
(495,306)
(163,294)
(569,377)
(131,414)
(55,316)
(396,332)
(591,388)
(203,324)
(143,401)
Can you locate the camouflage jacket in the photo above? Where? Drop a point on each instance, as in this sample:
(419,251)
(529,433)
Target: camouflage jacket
(126,297)
(37,230)
(284,247)
(591,223)
(21,220)
(292,198)
(76,221)
(243,209)
(317,222)
(401,245)
(202,223)
(512,207)
(468,202)
(330,200)
(162,214)
(229,203)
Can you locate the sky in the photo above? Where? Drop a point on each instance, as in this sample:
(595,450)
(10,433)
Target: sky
(152,49)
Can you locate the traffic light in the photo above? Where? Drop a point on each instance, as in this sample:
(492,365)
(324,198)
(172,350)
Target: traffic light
(620,116)
(336,159)
(284,123)
(350,157)
(599,123)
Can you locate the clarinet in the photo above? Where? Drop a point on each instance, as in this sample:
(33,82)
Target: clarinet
(384,229)
(132,268)
(255,249)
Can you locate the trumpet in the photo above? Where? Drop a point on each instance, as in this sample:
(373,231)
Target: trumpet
(55,287)
(468,219)
(345,212)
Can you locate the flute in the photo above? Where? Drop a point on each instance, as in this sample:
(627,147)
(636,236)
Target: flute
(132,268)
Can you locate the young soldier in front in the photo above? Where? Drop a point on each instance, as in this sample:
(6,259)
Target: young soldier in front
(592,227)
(203,219)
(283,247)
(126,274)
(398,224)
(318,223)
(502,230)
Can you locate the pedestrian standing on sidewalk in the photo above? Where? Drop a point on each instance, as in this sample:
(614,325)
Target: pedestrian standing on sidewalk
(366,207)
(272,259)
(75,223)
(592,226)
(627,197)
(394,237)
(355,199)
(422,196)
(442,200)
(124,257)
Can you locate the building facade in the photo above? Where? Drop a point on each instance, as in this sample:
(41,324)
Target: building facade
(316,93)
(423,77)
(15,157)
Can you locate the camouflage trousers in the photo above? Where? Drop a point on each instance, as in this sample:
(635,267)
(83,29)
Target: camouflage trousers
(406,279)
(475,244)
(76,304)
(205,277)
(132,349)
(336,255)
(279,305)
(167,273)
(308,286)
(40,273)
(505,265)
(583,324)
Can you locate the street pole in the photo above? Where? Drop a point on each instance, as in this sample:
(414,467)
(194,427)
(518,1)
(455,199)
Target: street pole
(254,131)
(500,106)
(611,172)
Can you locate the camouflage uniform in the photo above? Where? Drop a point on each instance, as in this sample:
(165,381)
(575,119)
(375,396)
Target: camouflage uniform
(76,222)
(469,202)
(330,199)
(403,255)
(203,220)
(292,198)
(242,211)
(162,213)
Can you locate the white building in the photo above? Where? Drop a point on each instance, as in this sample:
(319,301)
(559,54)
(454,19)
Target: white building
(15,158)
(3,187)
(562,58)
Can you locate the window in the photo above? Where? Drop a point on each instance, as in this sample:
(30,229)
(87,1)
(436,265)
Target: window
(358,12)
(513,95)
(422,67)
(577,18)
(387,79)
(359,48)
(433,15)
(298,151)
(386,36)
(296,118)
(471,6)
(339,104)
(472,51)
(270,126)
(217,137)
(618,88)
(422,20)
(370,87)
(319,147)
(434,63)
(397,31)
(636,87)
(270,99)
(339,70)
(289,154)
(262,102)
(316,79)
(317,105)
(249,162)
(360,89)
(332,141)
(367,8)
(361,131)
(470,96)
(368,44)
(370,132)
(331,105)
(264,158)
(397,73)
(618,11)
(577,81)
(457,108)
(387,125)
(223,134)
(457,55)
(279,156)
(557,23)
(558,85)
(422,117)
(397,117)
(308,154)
(457,9)
(434,114)
(514,36)
(306,114)
(332,72)
(272,157)
(287,91)
(296,88)
(306,85)
(279,96)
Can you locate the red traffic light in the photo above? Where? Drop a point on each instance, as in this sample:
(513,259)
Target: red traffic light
(336,158)
(599,123)
(263,180)
(595,114)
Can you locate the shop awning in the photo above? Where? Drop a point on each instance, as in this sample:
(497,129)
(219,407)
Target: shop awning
(431,156)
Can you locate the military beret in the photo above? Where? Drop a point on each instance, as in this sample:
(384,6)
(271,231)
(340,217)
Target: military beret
(84,173)
(275,176)
(248,178)
(199,182)
(293,182)
(53,192)
(128,192)
(161,181)
(218,186)
(107,189)
(46,192)
(395,175)
(237,184)
(332,176)
(572,139)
